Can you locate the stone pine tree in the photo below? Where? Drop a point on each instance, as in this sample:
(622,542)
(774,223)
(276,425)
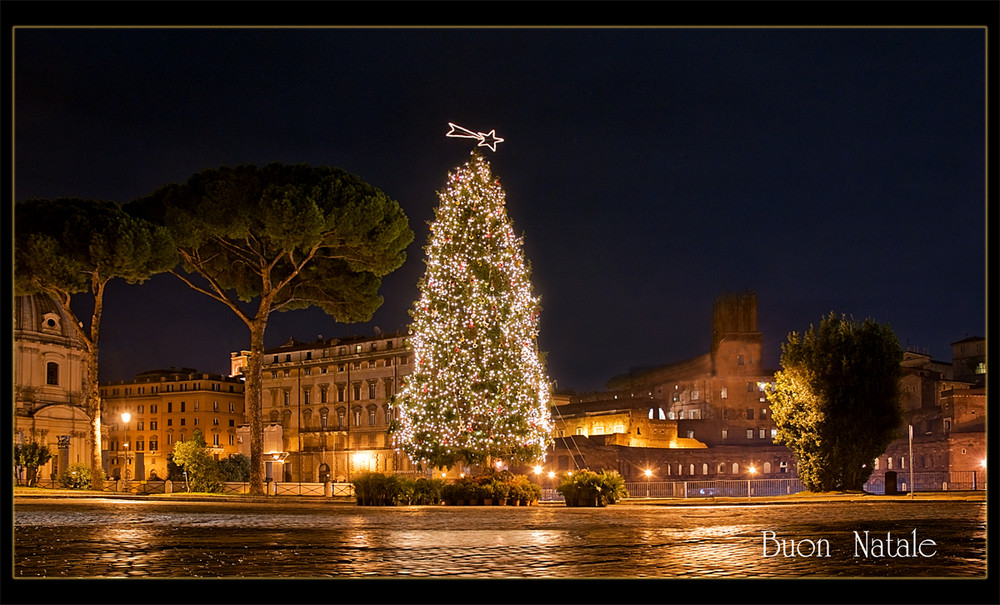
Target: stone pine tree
(69,246)
(478,389)
(836,400)
(277,238)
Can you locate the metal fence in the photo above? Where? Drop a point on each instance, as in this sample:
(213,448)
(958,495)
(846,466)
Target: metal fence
(732,488)
(930,481)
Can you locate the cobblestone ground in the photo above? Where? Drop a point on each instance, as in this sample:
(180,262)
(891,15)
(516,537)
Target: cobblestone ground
(88,538)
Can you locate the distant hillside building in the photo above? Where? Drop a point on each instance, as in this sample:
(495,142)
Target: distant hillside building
(701,417)
(49,372)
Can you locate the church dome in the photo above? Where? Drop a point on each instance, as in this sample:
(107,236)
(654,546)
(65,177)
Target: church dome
(39,315)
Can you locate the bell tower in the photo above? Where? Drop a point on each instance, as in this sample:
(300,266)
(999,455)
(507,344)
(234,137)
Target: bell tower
(737,346)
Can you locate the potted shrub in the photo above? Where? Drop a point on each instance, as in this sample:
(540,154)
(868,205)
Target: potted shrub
(449,493)
(427,491)
(500,490)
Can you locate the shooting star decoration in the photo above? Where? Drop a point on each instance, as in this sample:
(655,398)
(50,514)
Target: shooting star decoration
(486,139)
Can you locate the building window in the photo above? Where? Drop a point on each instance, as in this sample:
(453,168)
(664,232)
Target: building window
(340,394)
(153,425)
(285,397)
(876,464)
(183,420)
(767,468)
(736,468)
(195,421)
(599,429)
(371,390)
(694,395)
(725,434)
(725,413)
(170,438)
(152,409)
(340,419)
(371,417)
(357,392)
(782,467)
(749,413)
(580,431)
(725,393)
(215,439)
(170,422)
(232,407)
(762,433)
(182,406)
(215,421)
(153,444)
(774,433)
(232,438)
(749,433)
(305,397)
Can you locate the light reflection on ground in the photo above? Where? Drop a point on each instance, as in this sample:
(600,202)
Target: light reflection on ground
(108,538)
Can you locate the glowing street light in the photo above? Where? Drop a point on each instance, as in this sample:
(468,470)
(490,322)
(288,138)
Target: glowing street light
(125,418)
(753,471)
(648,473)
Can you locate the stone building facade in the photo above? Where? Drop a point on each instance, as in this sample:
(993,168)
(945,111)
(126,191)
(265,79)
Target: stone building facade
(166,407)
(326,407)
(49,372)
(948,417)
(705,417)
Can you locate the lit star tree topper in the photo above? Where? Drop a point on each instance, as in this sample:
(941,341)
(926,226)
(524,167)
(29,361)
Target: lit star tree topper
(479,390)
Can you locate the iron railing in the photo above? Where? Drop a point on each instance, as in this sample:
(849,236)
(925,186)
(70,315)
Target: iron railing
(721,488)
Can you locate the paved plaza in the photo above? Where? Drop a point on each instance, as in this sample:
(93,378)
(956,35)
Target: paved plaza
(106,537)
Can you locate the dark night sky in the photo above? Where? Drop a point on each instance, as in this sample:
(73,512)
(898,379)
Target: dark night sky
(650,170)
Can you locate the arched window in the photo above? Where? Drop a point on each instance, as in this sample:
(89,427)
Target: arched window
(324,473)
(736,468)
(691,469)
(52,373)
(704,468)
(767,468)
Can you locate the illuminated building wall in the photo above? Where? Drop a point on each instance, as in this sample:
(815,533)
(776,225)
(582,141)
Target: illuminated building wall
(49,371)
(330,400)
(166,407)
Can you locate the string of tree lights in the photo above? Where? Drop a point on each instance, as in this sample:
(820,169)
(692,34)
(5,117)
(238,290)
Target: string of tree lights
(478,391)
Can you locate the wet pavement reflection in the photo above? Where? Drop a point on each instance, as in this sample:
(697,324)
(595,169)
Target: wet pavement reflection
(87,538)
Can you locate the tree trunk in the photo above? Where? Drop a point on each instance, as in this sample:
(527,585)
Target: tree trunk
(93,392)
(254,413)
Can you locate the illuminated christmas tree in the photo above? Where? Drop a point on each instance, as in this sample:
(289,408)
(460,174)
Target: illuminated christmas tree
(478,390)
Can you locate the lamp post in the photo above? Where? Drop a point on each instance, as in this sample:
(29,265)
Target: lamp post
(753,471)
(125,418)
(648,473)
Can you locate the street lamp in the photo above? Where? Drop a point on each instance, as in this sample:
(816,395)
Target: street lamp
(648,473)
(753,471)
(125,418)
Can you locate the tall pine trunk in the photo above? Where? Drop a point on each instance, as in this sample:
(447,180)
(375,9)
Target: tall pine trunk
(254,414)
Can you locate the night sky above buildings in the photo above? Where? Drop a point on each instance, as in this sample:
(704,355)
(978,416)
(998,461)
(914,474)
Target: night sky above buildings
(650,170)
